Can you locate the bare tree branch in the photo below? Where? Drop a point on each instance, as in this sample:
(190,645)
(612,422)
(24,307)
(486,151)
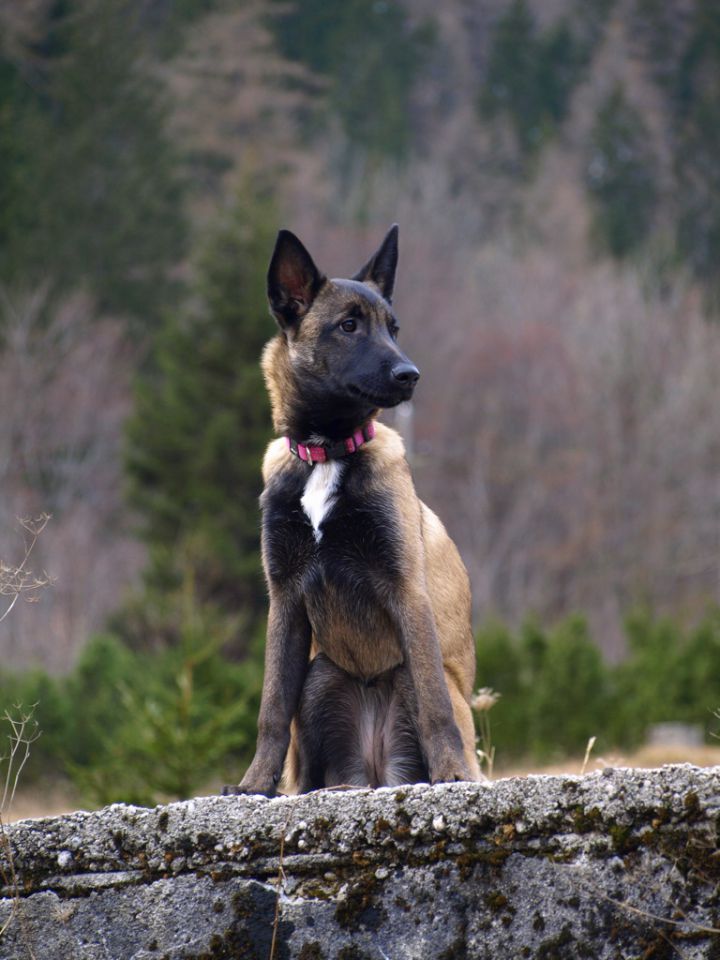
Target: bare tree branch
(19,581)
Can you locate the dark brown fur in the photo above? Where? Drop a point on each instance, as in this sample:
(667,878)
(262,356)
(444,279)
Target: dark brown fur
(370,658)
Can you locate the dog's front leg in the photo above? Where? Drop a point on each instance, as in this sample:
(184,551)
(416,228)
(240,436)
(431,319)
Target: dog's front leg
(286,663)
(440,738)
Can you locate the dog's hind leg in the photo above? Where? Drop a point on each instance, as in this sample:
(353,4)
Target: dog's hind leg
(326,736)
(349,732)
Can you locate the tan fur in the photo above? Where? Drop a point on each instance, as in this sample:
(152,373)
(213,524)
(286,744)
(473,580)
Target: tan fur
(275,365)
(275,455)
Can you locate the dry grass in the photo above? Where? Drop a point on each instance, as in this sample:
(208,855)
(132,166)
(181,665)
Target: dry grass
(645,758)
(56,800)
(42,801)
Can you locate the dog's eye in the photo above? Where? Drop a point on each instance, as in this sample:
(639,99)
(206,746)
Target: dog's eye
(394,330)
(349,325)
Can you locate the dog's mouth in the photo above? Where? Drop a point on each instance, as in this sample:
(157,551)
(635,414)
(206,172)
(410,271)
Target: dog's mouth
(376,400)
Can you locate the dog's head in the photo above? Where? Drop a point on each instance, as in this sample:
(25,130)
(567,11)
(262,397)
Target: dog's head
(341,334)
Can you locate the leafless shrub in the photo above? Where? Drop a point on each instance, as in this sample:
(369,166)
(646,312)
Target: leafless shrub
(64,395)
(19,581)
(23,733)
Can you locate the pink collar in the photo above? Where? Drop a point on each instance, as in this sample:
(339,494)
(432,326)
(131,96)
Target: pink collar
(332,451)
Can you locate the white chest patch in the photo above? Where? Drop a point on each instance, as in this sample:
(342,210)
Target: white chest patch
(321,492)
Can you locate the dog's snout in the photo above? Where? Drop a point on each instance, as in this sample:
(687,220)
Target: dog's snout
(406,373)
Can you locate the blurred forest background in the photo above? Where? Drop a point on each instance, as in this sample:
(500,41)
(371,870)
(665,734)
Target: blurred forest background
(554,169)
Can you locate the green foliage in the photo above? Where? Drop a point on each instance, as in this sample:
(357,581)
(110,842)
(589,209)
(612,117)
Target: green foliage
(35,689)
(531,75)
(144,726)
(368,54)
(682,51)
(164,24)
(500,666)
(182,714)
(554,688)
(201,420)
(670,674)
(557,692)
(697,119)
(653,23)
(89,189)
(570,696)
(104,667)
(621,176)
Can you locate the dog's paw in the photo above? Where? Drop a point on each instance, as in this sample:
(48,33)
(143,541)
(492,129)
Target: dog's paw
(445,757)
(248,789)
(451,773)
(258,780)
(448,766)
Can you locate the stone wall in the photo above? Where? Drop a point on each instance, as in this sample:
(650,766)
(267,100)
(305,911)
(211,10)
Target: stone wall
(618,864)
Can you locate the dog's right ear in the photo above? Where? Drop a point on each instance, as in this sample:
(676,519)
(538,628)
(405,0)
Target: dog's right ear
(293,280)
(380,268)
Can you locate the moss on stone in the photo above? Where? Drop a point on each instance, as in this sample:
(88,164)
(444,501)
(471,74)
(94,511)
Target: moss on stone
(496,901)
(360,907)
(311,950)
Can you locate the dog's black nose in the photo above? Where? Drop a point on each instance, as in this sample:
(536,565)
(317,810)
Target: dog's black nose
(406,373)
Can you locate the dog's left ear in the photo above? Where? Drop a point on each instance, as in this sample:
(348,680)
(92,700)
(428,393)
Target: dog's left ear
(380,268)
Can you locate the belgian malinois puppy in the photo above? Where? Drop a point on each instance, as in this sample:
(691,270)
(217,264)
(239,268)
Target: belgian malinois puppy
(370,661)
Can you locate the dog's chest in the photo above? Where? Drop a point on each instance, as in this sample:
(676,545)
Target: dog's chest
(328,529)
(321,493)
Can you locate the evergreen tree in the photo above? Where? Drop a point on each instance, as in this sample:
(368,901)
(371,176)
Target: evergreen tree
(88,180)
(369,54)
(202,420)
(500,666)
(621,176)
(697,142)
(570,697)
(531,75)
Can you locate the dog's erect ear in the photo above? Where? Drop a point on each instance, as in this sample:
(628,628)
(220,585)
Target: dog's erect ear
(380,268)
(293,280)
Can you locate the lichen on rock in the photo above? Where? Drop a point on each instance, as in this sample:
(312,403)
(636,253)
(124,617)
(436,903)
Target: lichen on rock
(616,864)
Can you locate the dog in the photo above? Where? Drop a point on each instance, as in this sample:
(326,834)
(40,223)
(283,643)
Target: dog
(370,660)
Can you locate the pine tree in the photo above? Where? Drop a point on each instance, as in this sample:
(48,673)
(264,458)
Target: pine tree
(369,55)
(531,75)
(697,142)
(201,421)
(88,178)
(621,176)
